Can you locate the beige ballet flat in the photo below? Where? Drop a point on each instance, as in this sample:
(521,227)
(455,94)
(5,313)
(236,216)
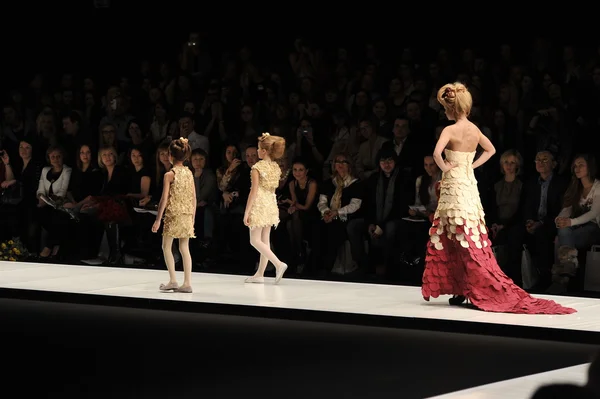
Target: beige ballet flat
(279,272)
(255,280)
(184,290)
(168,287)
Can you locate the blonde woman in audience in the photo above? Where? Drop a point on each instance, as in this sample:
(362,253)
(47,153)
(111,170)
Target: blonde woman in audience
(262,211)
(340,200)
(53,185)
(459,258)
(504,216)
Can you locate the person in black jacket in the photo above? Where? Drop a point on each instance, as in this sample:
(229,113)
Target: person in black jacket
(542,202)
(387,199)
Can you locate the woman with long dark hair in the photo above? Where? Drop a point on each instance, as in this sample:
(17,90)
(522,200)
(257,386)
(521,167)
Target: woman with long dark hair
(578,222)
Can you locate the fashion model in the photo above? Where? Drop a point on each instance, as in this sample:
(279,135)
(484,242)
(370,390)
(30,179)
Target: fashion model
(262,211)
(459,259)
(178,204)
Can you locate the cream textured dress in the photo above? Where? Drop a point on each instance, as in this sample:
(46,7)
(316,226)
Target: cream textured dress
(265,211)
(179,214)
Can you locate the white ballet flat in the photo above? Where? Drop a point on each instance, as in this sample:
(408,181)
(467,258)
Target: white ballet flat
(254,280)
(280,271)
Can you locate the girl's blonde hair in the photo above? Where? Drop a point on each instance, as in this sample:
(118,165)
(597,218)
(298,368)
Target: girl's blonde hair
(274,145)
(456,99)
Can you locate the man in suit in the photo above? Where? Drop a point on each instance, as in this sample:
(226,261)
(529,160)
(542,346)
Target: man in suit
(407,147)
(543,200)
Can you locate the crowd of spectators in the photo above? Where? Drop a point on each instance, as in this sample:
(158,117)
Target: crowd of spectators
(82,165)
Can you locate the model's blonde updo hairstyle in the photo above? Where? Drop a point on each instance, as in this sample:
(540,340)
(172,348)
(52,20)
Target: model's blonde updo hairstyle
(456,99)
(274,145)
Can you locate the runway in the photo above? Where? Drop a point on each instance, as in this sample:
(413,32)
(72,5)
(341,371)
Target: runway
(120,336)
(307,300)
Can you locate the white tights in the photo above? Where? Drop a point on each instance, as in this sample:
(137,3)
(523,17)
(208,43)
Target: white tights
(260,240)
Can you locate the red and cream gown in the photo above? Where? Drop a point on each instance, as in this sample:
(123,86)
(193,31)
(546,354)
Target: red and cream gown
(459,259)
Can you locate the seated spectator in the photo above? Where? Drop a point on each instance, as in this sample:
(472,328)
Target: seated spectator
(7,212)
(86,182)
(386,202)
(578,220)
(140,178)
(140,139)
(303,193)
(414,233)
(27,173)
(542,203)
(53,184)
(187,130)
(339,203)
(108,138)
(207,196)
(505,213)
(162,166)
(109,207)
(366,159)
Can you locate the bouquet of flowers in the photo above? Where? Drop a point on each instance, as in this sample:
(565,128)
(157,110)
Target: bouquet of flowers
(13,250)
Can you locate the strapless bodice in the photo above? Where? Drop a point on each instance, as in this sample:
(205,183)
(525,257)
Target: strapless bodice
(460,157)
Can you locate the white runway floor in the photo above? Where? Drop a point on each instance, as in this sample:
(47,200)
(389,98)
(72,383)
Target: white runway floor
(365,299)
(524,387)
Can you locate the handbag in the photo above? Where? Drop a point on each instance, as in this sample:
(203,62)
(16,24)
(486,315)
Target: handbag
(529,273)
(592,269)
(12,195)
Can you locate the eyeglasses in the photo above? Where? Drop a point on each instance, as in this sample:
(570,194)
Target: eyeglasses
(543,160)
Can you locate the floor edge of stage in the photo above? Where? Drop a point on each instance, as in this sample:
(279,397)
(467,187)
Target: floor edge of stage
(306,315)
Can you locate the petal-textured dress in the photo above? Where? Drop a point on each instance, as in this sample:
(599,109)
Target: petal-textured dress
(264,211)
(179,214)
(459,259)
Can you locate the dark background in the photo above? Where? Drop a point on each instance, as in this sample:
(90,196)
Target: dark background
(66,350)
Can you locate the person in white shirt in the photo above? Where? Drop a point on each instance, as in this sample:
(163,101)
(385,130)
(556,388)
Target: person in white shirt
(578,222)
(195,140)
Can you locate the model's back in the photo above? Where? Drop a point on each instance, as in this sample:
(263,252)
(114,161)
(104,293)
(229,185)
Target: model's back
(464,136)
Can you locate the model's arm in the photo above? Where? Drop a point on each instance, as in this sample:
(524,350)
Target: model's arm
(439,147)
(488,150)
(168,179)
(253,190)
